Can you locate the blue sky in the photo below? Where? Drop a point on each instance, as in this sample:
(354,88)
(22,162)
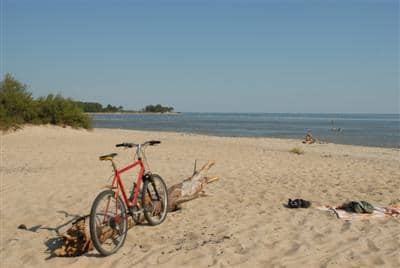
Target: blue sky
(219,56)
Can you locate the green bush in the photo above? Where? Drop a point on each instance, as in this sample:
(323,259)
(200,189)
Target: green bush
(16,103)
(17,107)
(57,110)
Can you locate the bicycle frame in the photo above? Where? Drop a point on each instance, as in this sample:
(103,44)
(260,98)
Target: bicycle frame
(119,185)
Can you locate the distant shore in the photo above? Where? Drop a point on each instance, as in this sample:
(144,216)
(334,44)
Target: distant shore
(132,112)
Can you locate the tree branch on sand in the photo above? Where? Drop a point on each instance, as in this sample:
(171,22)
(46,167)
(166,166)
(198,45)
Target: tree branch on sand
(190,188)
(76,240)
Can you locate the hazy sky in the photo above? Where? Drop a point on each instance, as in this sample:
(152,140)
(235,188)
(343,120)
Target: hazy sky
(220,56)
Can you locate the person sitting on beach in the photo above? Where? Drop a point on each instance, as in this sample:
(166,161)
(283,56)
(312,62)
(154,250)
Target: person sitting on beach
(309,139)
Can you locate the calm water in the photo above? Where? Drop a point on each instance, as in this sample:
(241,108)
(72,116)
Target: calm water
(358,129)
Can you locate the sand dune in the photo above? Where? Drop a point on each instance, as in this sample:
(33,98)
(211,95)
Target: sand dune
(51,174)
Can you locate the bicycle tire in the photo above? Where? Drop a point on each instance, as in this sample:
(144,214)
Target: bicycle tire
(154,200)
(118,223)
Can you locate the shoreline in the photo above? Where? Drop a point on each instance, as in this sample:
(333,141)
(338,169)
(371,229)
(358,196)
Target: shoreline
(376,131)
(319,142)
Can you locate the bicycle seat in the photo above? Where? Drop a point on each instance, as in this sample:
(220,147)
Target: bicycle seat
(108,156)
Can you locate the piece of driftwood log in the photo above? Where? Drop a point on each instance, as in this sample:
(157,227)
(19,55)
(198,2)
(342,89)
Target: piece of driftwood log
(76,240)
(190,188)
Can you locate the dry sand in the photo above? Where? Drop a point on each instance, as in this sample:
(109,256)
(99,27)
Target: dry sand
(49,174)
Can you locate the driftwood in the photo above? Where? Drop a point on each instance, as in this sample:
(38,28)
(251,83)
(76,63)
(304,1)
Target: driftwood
(190,188)
(76,240)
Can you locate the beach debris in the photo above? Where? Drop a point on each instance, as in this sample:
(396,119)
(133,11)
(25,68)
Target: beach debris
(76,240)
(298,203)
(22,227)
(309,139)
(392,211)
(191,188)
(297,150)
(357,207)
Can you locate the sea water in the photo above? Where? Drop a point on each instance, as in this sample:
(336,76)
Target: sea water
(381,130)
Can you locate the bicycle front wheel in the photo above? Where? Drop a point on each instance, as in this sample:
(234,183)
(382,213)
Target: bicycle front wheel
(108,223)
(154,200)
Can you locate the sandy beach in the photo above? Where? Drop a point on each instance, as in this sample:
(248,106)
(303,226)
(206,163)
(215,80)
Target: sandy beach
(50,175)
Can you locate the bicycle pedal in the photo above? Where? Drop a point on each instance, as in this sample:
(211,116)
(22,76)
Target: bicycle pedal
(136,213)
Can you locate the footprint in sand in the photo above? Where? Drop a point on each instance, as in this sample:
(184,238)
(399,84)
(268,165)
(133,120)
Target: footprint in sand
(371,245)
(378,261)
(145,247)
(295,247)
(240,249)
(319,238)
(345,227)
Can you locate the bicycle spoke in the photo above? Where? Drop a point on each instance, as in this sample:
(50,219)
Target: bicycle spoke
(108,223)
(156,200)
(108,217)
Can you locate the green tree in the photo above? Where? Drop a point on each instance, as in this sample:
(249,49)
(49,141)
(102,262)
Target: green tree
(157,109)
(17,107)
(90,107)
(16,103)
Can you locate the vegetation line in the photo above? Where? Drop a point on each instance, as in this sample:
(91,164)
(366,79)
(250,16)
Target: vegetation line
(18,107)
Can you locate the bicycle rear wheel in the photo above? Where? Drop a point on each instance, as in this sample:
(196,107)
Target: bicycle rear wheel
(108,223)
(154,200)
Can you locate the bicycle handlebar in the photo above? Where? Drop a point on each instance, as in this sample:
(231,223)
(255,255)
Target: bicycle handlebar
(152,142)
(130,145)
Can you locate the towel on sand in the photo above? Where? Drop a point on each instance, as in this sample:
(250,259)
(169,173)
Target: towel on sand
(377,213)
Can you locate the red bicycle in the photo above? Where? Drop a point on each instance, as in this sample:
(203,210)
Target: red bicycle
(109,213)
